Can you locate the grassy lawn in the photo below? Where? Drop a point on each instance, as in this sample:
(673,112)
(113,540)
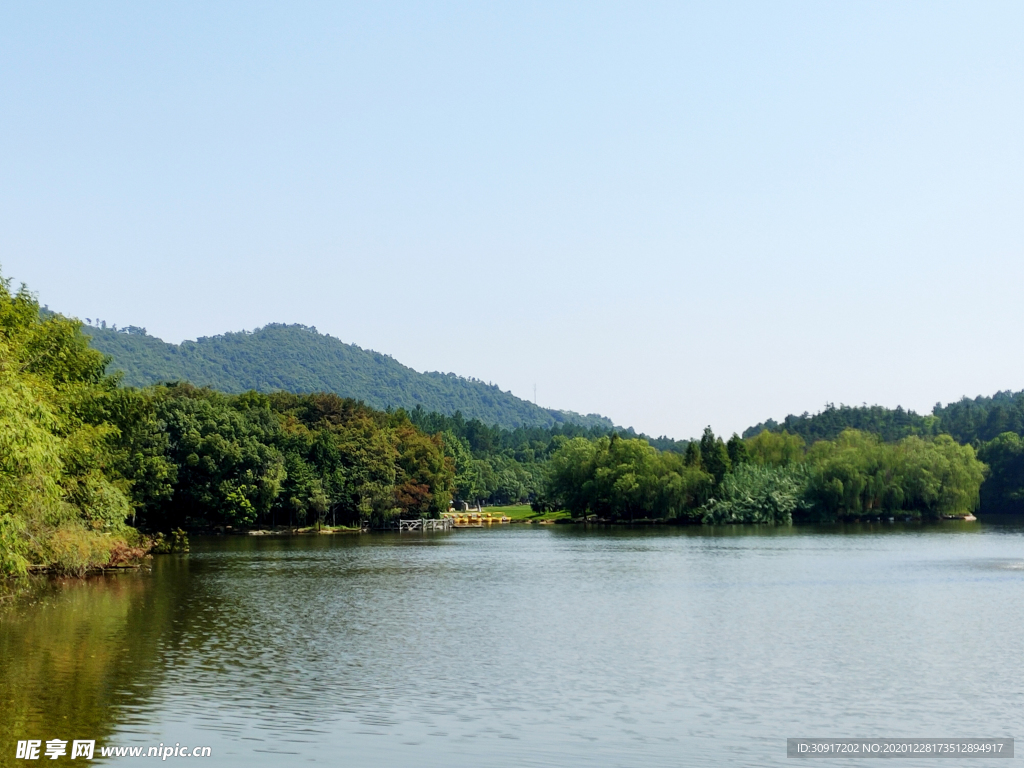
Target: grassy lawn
(521,513)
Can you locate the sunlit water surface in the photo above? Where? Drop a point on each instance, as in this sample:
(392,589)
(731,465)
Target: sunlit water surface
(529,646)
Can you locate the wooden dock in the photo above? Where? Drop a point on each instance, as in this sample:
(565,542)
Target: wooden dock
(423,524)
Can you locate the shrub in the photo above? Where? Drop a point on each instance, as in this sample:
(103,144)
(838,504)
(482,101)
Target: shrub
(758,494)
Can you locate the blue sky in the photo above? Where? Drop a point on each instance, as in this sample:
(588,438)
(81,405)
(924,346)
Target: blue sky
(672,214)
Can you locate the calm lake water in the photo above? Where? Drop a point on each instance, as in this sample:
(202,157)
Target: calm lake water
(529,646)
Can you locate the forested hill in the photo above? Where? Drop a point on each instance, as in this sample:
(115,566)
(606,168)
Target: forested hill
(296,358)
(968,420)
(983,418)
(888,423)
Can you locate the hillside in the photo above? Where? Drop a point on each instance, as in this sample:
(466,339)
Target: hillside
(889,423)
(983,418)
(967,420)
(296,358)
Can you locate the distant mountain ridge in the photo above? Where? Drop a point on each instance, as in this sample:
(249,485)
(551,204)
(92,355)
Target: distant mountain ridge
(298,358)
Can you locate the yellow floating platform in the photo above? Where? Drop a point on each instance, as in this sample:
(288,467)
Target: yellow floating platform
(475,519)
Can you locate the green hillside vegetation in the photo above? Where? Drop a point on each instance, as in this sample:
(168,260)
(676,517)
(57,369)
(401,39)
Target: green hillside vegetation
(297,358)
(88,462)
(974,421)
(888,423)
(983,418)
(85,462)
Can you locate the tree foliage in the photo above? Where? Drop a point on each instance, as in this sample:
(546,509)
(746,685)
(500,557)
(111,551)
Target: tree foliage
(1003,490)
(255,459)
(775,449)
(858,475)
(624,479)
(495,465)
(888,423)
(756,493)
(969,420)
(982,418)
(853,477)
(63,501)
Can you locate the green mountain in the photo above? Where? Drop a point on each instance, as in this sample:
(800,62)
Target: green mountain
(296,358)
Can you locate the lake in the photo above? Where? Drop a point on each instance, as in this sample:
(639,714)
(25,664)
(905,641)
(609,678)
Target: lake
(529,646)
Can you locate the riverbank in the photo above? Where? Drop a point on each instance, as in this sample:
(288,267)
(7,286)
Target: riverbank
(524,513)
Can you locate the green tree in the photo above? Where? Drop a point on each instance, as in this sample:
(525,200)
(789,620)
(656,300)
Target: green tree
(754,493)
(425,477)
(227,474)
(1003,490)
(714,455)
(139,451)
(59,503)
(624,479)
(858,475)
(467,478)
(692,456)
(571,475)
(737,449)
(775,449)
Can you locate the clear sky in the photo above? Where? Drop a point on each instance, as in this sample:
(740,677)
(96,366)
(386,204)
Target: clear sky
(671,214)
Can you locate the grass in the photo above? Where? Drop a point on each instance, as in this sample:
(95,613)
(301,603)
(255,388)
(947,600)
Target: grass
(522,513)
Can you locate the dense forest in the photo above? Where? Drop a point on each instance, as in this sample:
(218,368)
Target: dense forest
(296,358)
(86,463)
(255,460)
(502,466)
(770,478)
(993,426)
(89,463)
(984,418)
(63,482)
(967,421)
(888,423)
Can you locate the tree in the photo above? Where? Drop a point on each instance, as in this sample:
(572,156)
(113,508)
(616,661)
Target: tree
(737,449)
(1003,490)
(754,493)
(139,451)
(714,455)
(425,477)
(858,475)
(619,478)
(60,504)
(571,475)
(466,474)
(775,449)
(692,456)
(227,473)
